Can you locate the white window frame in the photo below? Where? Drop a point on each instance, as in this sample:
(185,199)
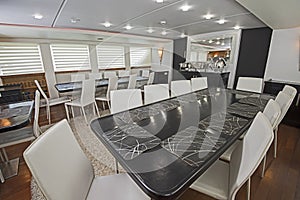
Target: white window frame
(140,56)
(110,56)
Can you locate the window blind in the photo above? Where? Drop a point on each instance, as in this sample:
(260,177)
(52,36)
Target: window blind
(140,56)
(20,58)
(110,56)
(70,57)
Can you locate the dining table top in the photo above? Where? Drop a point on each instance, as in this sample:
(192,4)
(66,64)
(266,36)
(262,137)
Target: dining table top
(165,146)
(15,115)
(73,86)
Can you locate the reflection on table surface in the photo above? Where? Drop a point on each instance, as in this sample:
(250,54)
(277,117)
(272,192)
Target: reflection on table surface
(167,145)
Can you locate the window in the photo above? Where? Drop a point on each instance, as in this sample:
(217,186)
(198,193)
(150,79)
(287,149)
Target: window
(140,56)
(70,57)
(20,58)
(110,56)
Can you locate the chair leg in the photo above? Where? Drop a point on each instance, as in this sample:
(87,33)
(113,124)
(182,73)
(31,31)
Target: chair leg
(264,167)
(248,188)
(72,110)
(67,112)
(82,108)
(97,110)
(103,105)
(275,142)
(1,177)
(117,166)
(48,114)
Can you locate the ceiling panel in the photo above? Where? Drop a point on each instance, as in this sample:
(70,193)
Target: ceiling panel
(22,11)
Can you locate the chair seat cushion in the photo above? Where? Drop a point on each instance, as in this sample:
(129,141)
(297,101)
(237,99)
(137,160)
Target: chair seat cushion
(207,183)
(103,188)
(227,154)
(16,136)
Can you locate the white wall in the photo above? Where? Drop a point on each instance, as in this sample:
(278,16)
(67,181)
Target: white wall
(283,60)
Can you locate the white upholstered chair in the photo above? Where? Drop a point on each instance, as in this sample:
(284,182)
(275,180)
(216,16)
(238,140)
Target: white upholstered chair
(123,73)
(151,78)
(62,171)
(48,102)
(156,92)
(132,81)
(22,135)
(95,76)
(223,180)
(76,77)
(109,74)
(112,85)
(289,90)
(199,83)
(125,99)
(145,73)
(87,97)
(250,84)
(180,87)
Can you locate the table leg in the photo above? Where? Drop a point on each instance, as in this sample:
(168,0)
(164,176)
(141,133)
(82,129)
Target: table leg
(8,168)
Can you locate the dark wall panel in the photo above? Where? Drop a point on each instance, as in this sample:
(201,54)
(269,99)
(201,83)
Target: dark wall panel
(253,54)
(179,50)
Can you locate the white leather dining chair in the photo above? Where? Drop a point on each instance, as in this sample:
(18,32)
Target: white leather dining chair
(180,87)
(223,180)
(156,92)
(95,76)
(132,81)
(145,73)
(87,97)
(77,77)
(112,85)
(250,84)
(123,73)
(109,74)
(125,99)
(151,78)
(199,83)
(48,102)
(290,90)
(21,135)
(63,172)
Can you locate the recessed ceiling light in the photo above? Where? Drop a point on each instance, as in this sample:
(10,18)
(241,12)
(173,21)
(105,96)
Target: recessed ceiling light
(203,40)
(183,35)
(163,22)
(74,20)
(208,16)
(218,42)
(237,27)
(221,21)
(128,27)
(222,43)
(218,38)
(210,41)
(164,33)
(185,8)
(159,1)
(38,16)
(150,30)
(107,24)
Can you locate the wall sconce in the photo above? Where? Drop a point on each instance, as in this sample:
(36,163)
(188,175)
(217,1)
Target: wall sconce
(160,52)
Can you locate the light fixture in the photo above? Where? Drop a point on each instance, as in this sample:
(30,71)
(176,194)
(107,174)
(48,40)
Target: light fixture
(185,7)
(210,41)
(183,35)
(150,30)
(159,1)
(218,42)
(164,33)
(107,24)
(74,20)
(208,16)
(37,16)
(128,27)
(203,40)
(237,27)
(160,52)
(221,21)
(222,43)
(163,22)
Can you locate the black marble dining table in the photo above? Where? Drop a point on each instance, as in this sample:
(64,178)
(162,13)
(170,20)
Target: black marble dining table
(73,86)
(167,145)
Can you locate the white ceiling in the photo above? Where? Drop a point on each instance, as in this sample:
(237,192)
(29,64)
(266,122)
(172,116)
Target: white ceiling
(141,14)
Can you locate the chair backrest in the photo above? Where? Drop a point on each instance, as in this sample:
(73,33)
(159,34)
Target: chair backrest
(124,73)
(145,73)
(77,77)
(249,153)
(250,84)
(36,128)
(58,164)
(199,83)
(284,101)
(272,112)
(108,74)
(112,85)
(88,92)
(156,92)
(132,81)
(180,87)
(289,90)
(151,78)
(125,99)
(95,76)
(41,90)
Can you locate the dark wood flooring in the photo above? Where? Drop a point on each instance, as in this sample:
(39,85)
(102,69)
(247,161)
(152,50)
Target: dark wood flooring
(281,181)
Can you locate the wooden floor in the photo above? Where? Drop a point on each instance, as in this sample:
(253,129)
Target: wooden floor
(281,181)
